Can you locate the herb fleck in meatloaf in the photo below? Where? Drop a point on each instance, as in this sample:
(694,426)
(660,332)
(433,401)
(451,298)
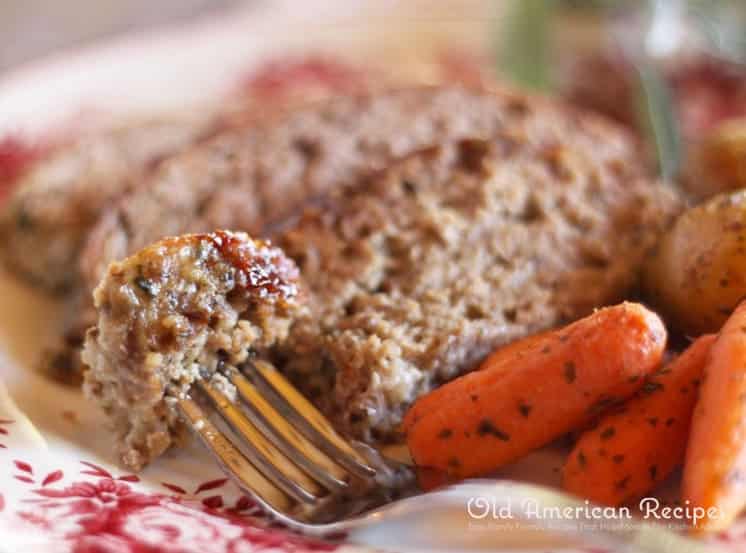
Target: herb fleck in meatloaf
(417,273)
(54,206)
(173,311)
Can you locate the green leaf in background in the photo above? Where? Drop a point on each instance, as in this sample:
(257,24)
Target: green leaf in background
(523,43)
(657,118)
(589,5)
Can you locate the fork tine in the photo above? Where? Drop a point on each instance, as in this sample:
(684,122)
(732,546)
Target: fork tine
(231,459)
(286,438)
(275,466)
(306,418)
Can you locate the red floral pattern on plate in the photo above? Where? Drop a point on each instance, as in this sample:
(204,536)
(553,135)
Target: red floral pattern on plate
(287,76)
(16,155)
(98,512)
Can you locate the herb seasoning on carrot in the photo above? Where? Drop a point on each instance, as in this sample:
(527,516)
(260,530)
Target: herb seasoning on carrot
(561,376)
(715,466)
(629,445)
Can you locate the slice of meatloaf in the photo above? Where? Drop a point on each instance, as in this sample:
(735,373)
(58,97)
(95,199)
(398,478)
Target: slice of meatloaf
(250,178)
(57,203)
(417,273)
(174,312)
(48,216)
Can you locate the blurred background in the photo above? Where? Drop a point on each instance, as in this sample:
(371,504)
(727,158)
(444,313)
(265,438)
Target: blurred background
(671,70)
(32,28)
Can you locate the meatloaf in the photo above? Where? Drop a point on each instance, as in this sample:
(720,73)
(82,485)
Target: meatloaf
(176,311)
(48,216)
(250,178)
(58,202)
(411,276)
(417,273)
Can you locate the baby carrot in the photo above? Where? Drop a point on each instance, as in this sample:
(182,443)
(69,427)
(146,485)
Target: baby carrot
(513,351)
(715,466)
(634,448)
(516,403)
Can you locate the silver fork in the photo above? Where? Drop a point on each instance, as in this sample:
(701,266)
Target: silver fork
(282,452)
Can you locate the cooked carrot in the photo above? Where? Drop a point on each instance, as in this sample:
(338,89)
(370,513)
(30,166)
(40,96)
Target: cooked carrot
(715,466)
(637,446)
(520,401)
(514,350)
(431,478)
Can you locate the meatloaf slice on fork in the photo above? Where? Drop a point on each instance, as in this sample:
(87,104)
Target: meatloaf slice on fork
(176,311)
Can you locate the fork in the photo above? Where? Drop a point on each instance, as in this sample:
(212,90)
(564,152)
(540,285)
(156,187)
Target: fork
(280,450)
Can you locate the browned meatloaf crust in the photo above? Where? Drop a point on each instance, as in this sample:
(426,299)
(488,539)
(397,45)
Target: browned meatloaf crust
(54,206)
(417,273)
(174,311)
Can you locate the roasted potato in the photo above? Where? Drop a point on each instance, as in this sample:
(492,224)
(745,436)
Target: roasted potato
(717,163)
(697,273)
